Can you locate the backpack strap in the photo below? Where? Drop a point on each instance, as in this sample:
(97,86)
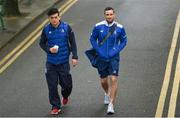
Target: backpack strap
(109,33)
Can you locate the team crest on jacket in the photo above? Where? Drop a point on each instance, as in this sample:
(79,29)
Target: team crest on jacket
(62,30)
(114,72)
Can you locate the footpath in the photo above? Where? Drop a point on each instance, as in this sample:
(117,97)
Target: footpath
(30,10)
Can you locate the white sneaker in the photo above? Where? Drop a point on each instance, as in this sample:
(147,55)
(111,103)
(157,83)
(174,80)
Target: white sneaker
(110,109)
(106,99)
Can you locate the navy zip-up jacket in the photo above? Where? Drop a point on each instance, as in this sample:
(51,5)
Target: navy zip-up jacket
(63,36)
(113,45)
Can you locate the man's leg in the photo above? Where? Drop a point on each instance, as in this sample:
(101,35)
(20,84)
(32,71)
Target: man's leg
(113,90)
(113,70)
(104,79)
(65,81)
(66,85)
(105,84)
(52,81)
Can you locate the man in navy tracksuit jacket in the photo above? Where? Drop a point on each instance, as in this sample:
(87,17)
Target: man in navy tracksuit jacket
(58,41)
(108,54)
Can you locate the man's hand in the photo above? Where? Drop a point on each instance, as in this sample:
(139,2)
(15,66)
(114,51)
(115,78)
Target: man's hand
(53,50)
(74,62)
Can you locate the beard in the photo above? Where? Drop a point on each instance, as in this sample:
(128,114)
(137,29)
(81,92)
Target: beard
(109,21)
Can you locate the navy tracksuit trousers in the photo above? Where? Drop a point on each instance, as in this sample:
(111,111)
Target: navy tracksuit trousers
(58,74)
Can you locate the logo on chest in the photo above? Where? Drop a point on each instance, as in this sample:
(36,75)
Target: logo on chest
(50,32)
(62,30)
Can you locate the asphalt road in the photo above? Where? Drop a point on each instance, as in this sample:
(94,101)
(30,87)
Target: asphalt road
(149,25)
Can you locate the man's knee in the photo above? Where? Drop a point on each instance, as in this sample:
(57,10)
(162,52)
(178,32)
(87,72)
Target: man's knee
(114,79)
(67,81)
(104,80)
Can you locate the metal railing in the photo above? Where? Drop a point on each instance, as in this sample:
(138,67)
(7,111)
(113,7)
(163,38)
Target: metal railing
(1,16)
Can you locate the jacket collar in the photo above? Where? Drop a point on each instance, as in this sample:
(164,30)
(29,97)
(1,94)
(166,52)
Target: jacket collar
(60,23)
(109,25)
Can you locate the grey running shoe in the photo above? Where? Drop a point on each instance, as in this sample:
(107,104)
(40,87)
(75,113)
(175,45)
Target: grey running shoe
(106,99)
(110,109)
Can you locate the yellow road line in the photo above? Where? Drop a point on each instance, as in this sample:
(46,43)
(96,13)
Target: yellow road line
(65,9)
(13,55)
(174,93)
(165,85)
(19,53)
(18,47)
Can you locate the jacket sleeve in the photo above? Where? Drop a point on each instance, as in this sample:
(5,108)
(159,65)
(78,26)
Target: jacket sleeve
(72,42)
(95,44)
(119,46)
(43,42)
(93,39)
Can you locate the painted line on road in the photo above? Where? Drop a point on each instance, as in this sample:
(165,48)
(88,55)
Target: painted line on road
(19,53)
(16,52)
(165,85)
(174,93)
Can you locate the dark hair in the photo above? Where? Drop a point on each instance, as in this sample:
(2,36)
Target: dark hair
(108,8)
(53,11)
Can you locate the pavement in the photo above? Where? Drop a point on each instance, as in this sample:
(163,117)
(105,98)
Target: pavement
(30,11)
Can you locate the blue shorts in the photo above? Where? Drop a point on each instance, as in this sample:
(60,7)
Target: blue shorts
(109,68)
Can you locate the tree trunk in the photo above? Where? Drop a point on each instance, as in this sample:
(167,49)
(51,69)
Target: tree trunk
(10,8)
